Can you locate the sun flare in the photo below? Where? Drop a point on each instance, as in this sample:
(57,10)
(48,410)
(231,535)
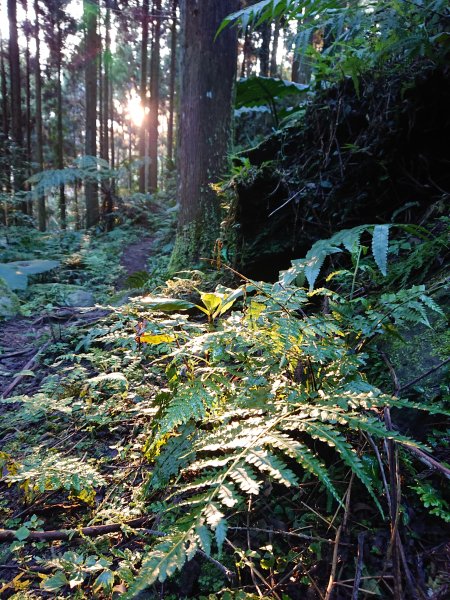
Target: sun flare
(135,111)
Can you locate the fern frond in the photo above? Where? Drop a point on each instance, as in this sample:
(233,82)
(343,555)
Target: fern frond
(380,243)
(273,465)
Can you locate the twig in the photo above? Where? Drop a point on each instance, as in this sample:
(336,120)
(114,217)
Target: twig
(428,460)
(359,566)
(17,353)
(230,575)
(28,366)
(331,581)
(383,474)
(68,534)
(283,533)
(429,372)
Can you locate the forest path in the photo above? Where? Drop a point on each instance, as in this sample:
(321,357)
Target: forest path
(22,338)
(134,259)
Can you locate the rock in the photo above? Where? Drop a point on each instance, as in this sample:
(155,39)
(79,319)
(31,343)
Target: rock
(9,302)
(80,298)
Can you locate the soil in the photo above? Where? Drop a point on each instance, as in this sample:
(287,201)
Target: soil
(134,259)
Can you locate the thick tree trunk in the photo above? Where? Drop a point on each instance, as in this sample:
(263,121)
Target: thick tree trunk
(91,48)
(144,101)
(38,111)
(153,120)
(207,79)
(173,70)
(264,51)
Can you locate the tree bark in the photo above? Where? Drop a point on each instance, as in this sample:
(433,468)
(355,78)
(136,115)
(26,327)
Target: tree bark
(6,174)
(60,132)
(38,111)
(16,99)
(173,70)
(91,48)
(144,101)
(207,79)
(153,120)
(273,58)
(264,51)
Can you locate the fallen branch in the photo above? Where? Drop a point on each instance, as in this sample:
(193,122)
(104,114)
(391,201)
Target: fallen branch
(28,366)
(7,535)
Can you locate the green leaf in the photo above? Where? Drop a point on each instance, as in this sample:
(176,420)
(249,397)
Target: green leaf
(257,91)
(380,243)
(164,304)
(104,581)
(54,583)
(22,533)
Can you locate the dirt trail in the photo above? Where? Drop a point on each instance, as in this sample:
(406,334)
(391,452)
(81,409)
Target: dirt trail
(134,258)
(22,337)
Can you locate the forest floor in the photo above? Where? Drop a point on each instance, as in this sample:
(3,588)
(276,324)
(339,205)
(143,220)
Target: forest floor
(88,417)
(21,337)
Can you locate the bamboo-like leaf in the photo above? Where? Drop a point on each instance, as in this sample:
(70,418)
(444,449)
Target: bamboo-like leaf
(380,243)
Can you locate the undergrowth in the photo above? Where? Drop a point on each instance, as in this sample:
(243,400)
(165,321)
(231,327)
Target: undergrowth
(241,439)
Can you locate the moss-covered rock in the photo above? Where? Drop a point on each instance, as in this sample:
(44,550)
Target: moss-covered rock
(9,302)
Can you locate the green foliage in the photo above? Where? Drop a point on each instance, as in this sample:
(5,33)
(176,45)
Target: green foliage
(249,401)
(40,473)
(255,93)
(244,420)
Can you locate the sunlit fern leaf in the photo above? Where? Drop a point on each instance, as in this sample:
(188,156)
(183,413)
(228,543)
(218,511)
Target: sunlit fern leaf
(245,479)
(273,465)
(305,458)
(227,495)
(333,438)
(166,557)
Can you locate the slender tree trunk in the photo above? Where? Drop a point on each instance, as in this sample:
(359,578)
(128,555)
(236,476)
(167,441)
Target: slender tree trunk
(39,136)
(106,85)
(15,87)
(143,94)
(207,79)
(264,51)
(60,132)
(91,48)
(173,70)
(111,134)
(273,57)
(154,98)
(5,122)
(246,53)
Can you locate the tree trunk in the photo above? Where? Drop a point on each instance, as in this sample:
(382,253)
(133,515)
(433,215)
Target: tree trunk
(106,76)
(39,136)
(207,79)
(16,100)
(154,98)
(91,48)
(144,101)
(264,51)
(60,133)
(273,57)
(6,174)
(173,70)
